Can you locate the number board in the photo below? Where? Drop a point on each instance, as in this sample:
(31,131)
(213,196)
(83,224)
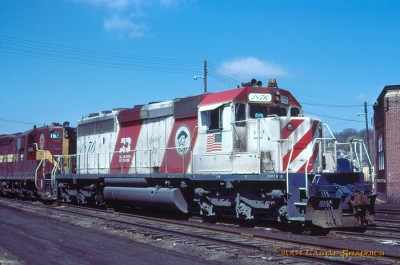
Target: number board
(260,97)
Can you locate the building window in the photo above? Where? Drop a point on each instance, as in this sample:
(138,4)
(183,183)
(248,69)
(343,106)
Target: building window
(381,153)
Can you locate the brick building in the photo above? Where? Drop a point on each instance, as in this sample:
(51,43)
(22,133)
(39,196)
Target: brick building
(387,143)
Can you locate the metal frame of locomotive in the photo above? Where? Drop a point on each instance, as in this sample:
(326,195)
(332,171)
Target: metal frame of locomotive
(27,161)
(248,153)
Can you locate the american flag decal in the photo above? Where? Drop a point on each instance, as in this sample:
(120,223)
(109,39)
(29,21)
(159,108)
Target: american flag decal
(214,142)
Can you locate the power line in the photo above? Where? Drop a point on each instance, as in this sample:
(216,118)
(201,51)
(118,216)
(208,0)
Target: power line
(20,122)
(61,53)
(228,79)
(91,57)
(331,117)
(88,52)
(331,106)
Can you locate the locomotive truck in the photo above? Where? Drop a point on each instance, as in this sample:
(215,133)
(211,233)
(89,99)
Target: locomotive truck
(248,153)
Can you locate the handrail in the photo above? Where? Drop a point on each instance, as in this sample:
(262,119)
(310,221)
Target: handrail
(36,172)
(190,148)
(40,163)
(234,129)
(96,162)
(371,176)
(369,159)
(308,160)
(60,158)
(290,159)
(54,170)
(362,145)
(264,126)
(329,129)
(358,157)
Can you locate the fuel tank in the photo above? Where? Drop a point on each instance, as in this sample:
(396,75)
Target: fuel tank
(159,198)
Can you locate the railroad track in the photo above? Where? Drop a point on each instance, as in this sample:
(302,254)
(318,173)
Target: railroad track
(388,212)
(387,215)
(384,232)
(252,245)
(382,236)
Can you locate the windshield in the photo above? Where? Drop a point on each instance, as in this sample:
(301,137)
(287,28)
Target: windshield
(260,111)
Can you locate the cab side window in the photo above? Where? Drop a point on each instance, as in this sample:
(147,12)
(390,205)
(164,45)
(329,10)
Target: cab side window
(212,118)
(215,118)
(240,114)
(294,112)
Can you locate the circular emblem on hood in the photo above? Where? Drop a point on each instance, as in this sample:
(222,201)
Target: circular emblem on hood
(182,140)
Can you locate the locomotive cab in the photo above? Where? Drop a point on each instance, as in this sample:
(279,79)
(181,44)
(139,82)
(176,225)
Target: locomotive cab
(249,130)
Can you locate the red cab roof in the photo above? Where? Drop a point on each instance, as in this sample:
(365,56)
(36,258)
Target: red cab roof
(238,94)
(241,95)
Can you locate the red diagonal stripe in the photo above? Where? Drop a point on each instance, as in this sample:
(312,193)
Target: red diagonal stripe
(296,123)
(300,145)
(310,163)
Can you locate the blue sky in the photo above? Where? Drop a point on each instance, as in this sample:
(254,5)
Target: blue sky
(63,59)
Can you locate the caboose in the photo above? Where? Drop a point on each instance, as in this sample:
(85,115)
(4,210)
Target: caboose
(27,160)
(249,153)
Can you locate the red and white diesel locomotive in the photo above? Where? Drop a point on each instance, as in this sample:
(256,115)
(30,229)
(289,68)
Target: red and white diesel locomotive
(248,153)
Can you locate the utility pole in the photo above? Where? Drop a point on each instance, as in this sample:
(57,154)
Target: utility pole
(367,135)
(366,126)
(365,113)
(205,76)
